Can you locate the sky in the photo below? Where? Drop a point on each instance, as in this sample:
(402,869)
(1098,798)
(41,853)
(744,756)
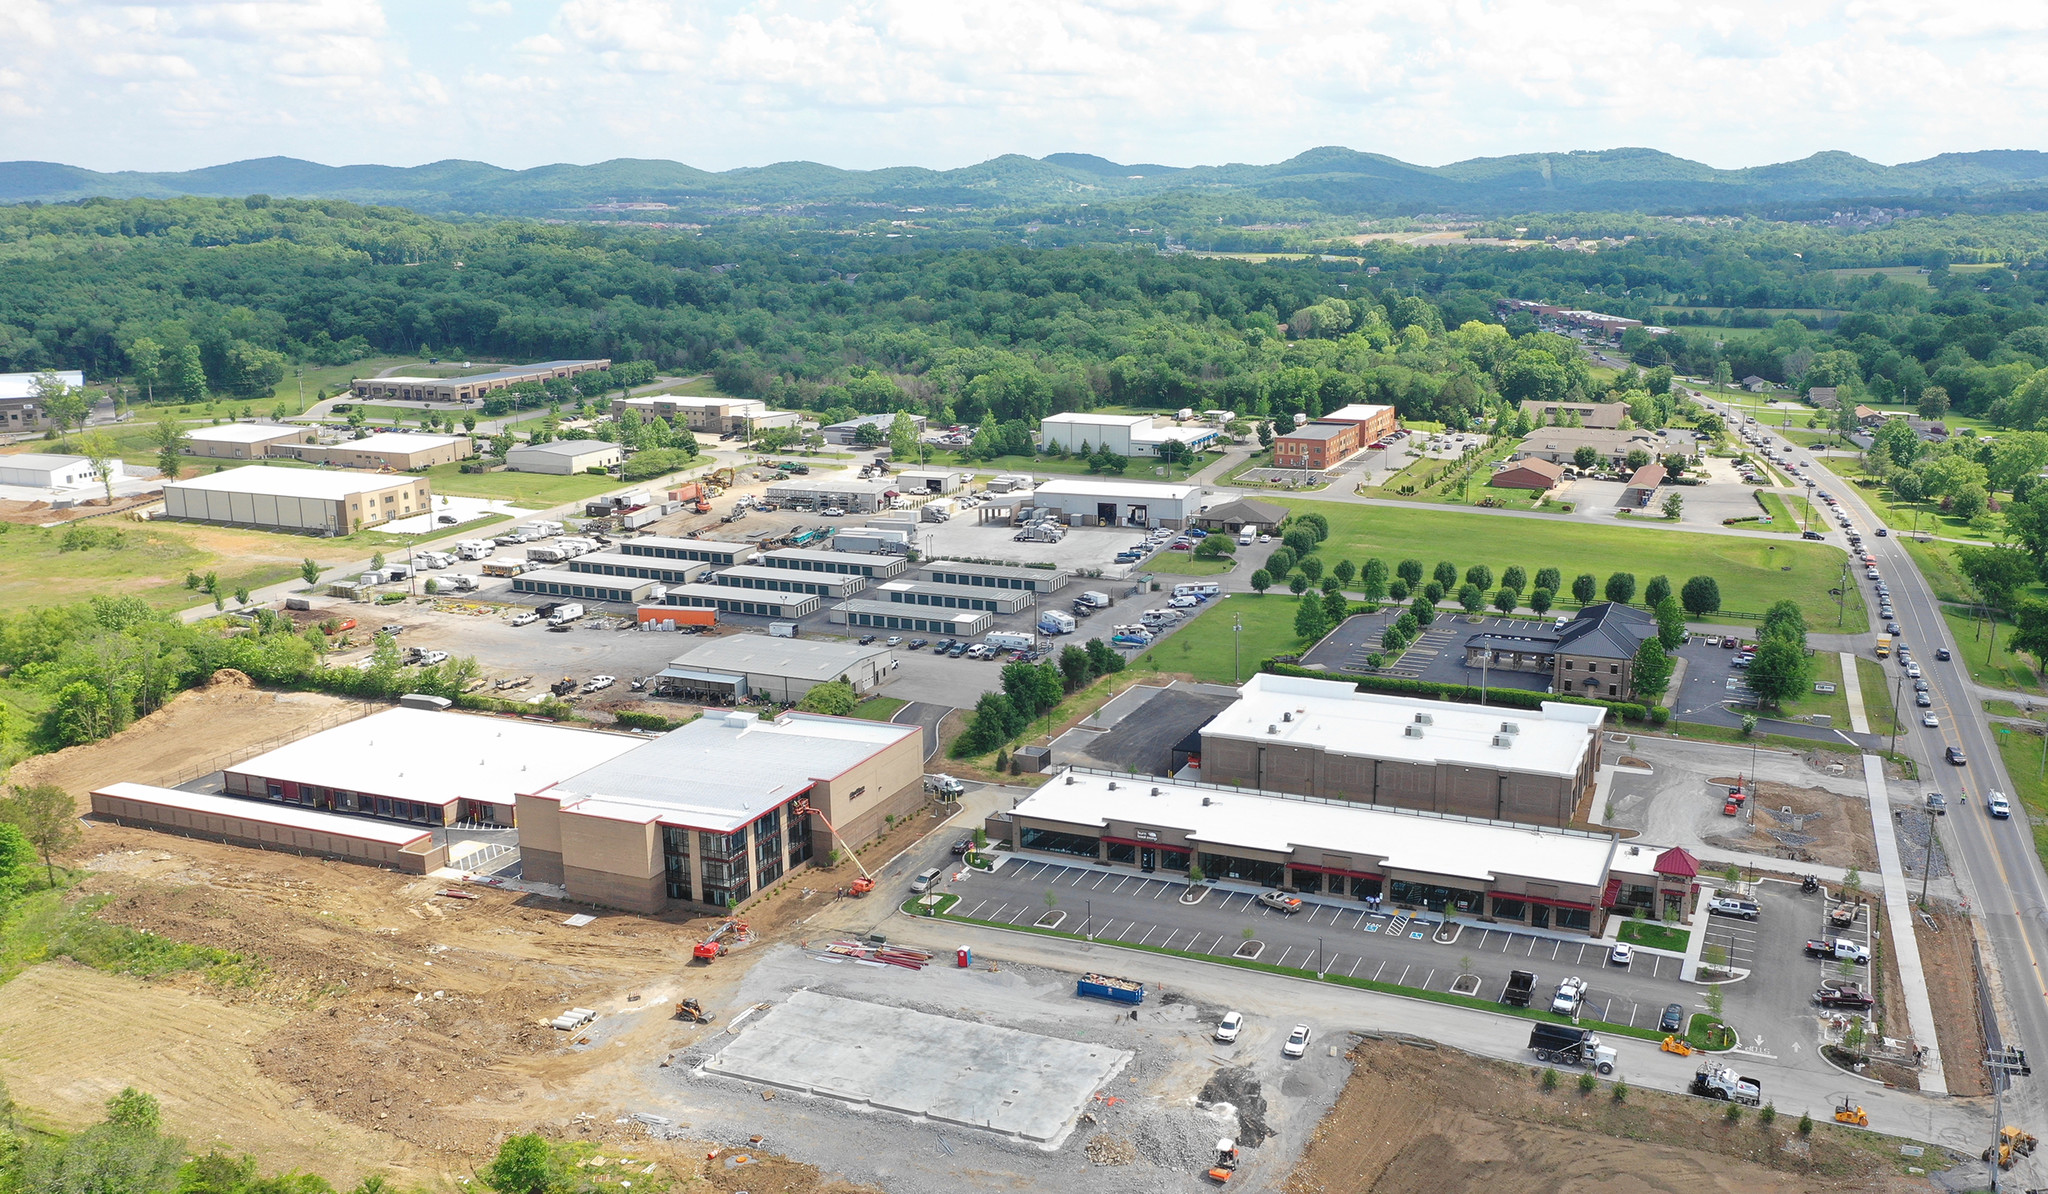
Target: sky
(944,83)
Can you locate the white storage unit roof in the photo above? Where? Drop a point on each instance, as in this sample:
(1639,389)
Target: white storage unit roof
(816,660)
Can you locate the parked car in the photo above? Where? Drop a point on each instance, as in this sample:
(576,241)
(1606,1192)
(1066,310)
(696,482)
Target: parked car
(1280,901)
(1297,1041)
(956,650)
(523,619)
(1622,954)
(961,847)
(832,512)
(1734,906)
(1673,1018)
(925,879)
(867,640)
(916,644)
(600,683)
(1229,1028)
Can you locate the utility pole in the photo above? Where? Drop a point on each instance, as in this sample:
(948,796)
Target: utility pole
(1927,867)
(2004,1064)
(1898,687)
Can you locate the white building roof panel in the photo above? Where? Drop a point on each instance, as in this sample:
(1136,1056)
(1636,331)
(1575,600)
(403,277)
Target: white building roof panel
(279,481)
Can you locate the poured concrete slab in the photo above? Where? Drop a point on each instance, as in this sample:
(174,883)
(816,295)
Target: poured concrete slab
(1004,1080)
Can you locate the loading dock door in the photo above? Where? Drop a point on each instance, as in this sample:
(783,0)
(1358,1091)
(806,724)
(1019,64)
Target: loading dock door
(1105,513)
(1141,516)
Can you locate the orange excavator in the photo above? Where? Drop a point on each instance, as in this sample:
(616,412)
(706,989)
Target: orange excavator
(866,882)
(714,946)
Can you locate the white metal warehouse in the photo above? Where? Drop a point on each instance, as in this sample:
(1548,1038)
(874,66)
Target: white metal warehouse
(925,592)
(782,669)
(585,586)
(1091,502)
(732,599)
(836,585)
(564,456)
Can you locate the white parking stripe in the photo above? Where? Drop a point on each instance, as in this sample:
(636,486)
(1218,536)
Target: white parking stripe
(1148,934)
(1283,956)
(1120,885)
(1382,970)
(1427,977)
(1098,882)
(1354,969)
(978,907)
(1213,948)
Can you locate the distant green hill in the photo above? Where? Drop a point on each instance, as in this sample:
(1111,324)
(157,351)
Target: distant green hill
(1338,179)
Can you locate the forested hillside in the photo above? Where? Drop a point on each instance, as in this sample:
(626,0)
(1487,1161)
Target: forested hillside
(960,326)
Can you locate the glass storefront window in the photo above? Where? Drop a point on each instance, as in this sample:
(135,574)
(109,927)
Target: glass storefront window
(1361,887)
(1032,838)
(1243,870)
(1173,860)
(1122,852)
(1507,909)
(1436,898)
(1572,918)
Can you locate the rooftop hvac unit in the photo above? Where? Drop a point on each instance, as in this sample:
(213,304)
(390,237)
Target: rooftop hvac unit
(1205,802)
(1112,785)
(1155,791)
(1510,727)
(1286,716)
(1503,741)
(1425,719)
(1070,779)
(1272,728)
(1412,731)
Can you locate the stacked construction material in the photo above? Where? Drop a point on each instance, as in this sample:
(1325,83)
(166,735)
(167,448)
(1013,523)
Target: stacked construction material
(892,955)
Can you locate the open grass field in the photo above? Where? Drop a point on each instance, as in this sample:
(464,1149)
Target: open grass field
(1184,563)
(1827,669)
(1789,512)
(1204,648)
(134,559)
(1752,573)
(533,490)
(1878,708)
(2021,751)
(1993,665)
(1910,275)
(878,708)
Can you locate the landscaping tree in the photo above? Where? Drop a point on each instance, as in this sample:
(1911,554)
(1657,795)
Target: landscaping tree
(1621,587)
(1446,574)
(1302,540)
(1309,621)
(1397,589)
(1104,657)
(1331,584)
(1372,579)
(1784,620)
(47,817)
(1281,562)
(1549,578)
(1700,596)
(1311,567)
(1075,668)
(1344,571)
(1423,609)
(1657,590)
(309,570)
(1297,583)
(1637,458)
(170,440)
(1479,574)
(1261,581)
(1998,574)
(1540,601)
(1651,674)
(1673,506)
(1670,623)
(1505,599)
(1472,597)
(1584,586)
(1514,578)
(1432,592)
(1335,607)
(1780,671)
(1586,456)
(1313,522)
(1410,571)
(17,862)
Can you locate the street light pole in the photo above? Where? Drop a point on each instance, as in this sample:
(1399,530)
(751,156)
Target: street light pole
(1927,867)
(1897,688)
(1319,957)
(1236,647)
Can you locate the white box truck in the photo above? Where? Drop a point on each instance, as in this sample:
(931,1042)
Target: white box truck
(1093,600)
(565,613)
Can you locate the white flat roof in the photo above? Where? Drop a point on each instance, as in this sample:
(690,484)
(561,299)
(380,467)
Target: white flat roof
(1085,419)
(437,758)
(723,770)
(293,482)
(566,447)
(23,385)
(1357,410)
(47,461)
(243,433)
(1125,490)
(1334,715)
(1408,841)
(270,813)
(399,441)
(828,485)
(796,658)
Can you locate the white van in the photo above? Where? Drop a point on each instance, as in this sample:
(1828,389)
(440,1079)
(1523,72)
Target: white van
(1246,536)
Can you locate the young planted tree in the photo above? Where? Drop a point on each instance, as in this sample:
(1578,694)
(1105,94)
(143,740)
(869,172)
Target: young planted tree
(1621,587)
(1505,599)
(1410,571)
(1514,578)
(1372,579)
(1549,578)
(1657,590)
(47,817)
(1700,596)
(1584,587)
(1540,601)
(1472,597)
(1446,574)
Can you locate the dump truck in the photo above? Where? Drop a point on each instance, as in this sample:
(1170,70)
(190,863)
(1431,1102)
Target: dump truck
(1106,986)
(1521,985)
(1561,1044)
(1720,1082)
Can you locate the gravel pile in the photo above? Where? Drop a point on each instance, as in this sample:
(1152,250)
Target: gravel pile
(1238,1087)
(1111,1150)
(1912,830)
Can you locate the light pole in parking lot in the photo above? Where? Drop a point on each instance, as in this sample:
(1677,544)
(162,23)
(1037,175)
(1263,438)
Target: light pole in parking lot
(1236,647)
(1086,920)
(1319,957)
(1897,690)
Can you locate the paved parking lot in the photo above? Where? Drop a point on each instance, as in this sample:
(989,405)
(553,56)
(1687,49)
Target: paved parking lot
(1340,936)
(1773,1008)
(1438,654)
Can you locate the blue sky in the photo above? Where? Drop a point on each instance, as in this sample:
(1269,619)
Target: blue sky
(941,83)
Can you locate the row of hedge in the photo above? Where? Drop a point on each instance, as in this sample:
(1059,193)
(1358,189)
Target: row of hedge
(1507,698)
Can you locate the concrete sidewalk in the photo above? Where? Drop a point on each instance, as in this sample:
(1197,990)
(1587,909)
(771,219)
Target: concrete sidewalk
(1852,688)
(1905,945)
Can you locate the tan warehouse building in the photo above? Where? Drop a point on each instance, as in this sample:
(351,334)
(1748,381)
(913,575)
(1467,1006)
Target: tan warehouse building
(399,451)
(296,499)
(245,441)
(708,815)
(1325,738)
(471,387)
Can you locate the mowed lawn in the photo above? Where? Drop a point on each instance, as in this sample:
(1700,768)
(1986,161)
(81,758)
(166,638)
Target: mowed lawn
(532,490)
(1752,573)
(126,559)
(1204,648)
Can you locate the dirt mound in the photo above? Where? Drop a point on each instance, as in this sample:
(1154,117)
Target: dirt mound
(1111,1150)
(228,677)
(1239,1088)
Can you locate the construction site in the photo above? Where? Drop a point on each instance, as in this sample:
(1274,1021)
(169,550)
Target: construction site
(823,1040)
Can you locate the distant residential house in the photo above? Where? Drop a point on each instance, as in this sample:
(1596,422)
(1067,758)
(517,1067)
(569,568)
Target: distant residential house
(1869,417)
(1755,384)
(1824,397)
(1560,444)
(1532,474)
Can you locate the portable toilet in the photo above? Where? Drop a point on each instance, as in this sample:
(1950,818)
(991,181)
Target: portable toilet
(964,956)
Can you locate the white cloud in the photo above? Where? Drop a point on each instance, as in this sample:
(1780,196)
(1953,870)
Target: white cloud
(866,83)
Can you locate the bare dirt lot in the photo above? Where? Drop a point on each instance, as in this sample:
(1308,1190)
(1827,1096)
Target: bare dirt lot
(1821,826)
(1436,1121)
(228,717)
(1951,968)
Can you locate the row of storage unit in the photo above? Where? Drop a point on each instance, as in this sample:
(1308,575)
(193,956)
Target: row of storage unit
(996,576)
(802,559)
(732,599)
(924,592)
(591,586)
(836,585)
(614,563)
(711,551)
(891,615)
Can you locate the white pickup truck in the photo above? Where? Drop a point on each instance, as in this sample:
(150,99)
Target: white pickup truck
(1570,993)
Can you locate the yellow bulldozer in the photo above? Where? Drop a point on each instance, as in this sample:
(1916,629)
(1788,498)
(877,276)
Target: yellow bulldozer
(2013,1143)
